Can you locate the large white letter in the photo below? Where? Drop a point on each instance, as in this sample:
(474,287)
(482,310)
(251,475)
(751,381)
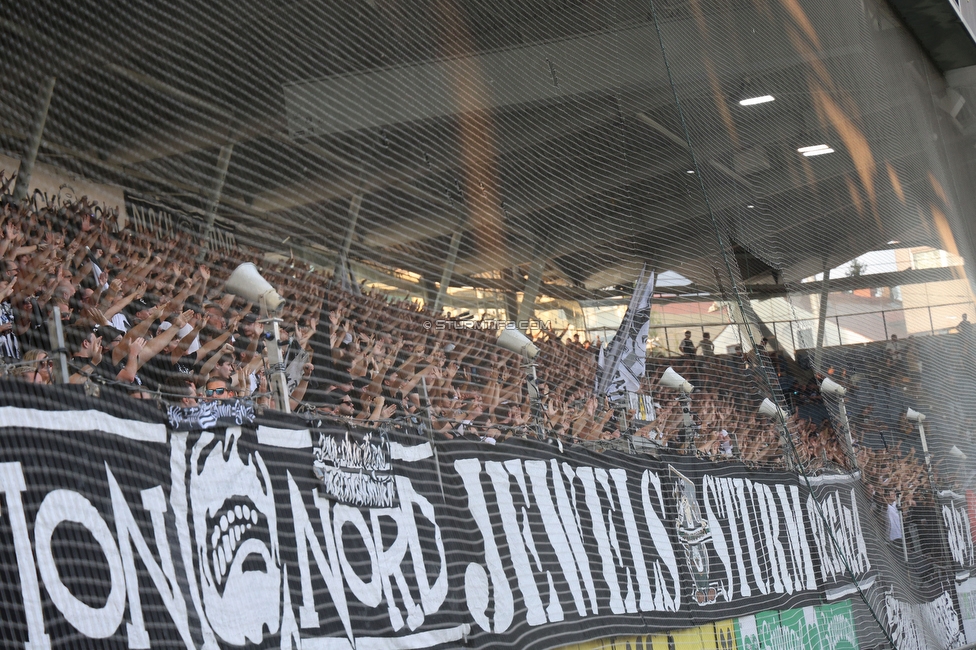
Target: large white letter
(58,507)
(534,612)
(602,537)
(331,572)
(712,496)
(431,595)
(536,469)
(569,517)
(797,534)
(389,560)
(369,593)
(475,582)
(12,484)
(662,543)
(163,578)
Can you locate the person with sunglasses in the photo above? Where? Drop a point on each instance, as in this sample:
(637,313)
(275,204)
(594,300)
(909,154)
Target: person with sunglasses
(36,369)
(218,389)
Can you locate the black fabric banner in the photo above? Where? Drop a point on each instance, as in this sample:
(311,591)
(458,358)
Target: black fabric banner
(169,222)
(152,531)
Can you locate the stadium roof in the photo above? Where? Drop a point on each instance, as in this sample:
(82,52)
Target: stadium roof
(521,130)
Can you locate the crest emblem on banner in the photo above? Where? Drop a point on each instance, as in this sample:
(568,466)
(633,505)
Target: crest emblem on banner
(694,536)
(356,469)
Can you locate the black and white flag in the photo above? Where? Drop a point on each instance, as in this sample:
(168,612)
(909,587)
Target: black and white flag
(627,354)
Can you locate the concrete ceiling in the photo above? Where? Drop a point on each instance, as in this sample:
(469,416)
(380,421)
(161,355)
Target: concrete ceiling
(521,131)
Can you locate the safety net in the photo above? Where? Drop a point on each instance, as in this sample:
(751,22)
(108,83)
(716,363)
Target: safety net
(516,324)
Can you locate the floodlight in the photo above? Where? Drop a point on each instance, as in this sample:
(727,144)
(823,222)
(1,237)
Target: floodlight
(830,387)
(671,379)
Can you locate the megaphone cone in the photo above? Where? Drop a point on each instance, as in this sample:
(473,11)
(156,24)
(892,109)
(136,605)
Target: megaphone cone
(671,379)
(246,282)
(831,387)
(769,409)
(517,342)
(915,416)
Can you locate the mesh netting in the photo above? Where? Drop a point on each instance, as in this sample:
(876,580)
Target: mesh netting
(541,324)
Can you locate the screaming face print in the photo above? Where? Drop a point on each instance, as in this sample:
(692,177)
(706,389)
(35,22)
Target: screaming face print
(235,538)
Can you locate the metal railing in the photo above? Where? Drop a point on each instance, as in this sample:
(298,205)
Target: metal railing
(842,329)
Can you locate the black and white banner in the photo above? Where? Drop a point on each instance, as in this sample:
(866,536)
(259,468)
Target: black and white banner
(167,222)
(954,512)
(289,534)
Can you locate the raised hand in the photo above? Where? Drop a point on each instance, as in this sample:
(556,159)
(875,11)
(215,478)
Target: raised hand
(96,316)
(451,370)
(96,351)
(183,319)
(136,347)
(12,231)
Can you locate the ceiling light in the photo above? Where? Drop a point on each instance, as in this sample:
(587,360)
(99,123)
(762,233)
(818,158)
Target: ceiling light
(690,171)
(893,242)
(752,101)
(750,206)
(815,150)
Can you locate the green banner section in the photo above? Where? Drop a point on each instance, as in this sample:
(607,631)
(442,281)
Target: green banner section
(827,627)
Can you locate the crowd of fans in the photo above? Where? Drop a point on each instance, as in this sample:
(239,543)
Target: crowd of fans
(148,318)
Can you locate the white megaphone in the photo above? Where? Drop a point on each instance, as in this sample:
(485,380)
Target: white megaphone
(915,416)
(957,453)
(671,379)
(769,409)
(830,387)
(246,282)
(515,341)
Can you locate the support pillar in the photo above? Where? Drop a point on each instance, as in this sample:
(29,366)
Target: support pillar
(429,290)
(741,311)
(822,323)
(342,271)
(44,94)
(513,277)
(531,290)
(223,164)
(448,271)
